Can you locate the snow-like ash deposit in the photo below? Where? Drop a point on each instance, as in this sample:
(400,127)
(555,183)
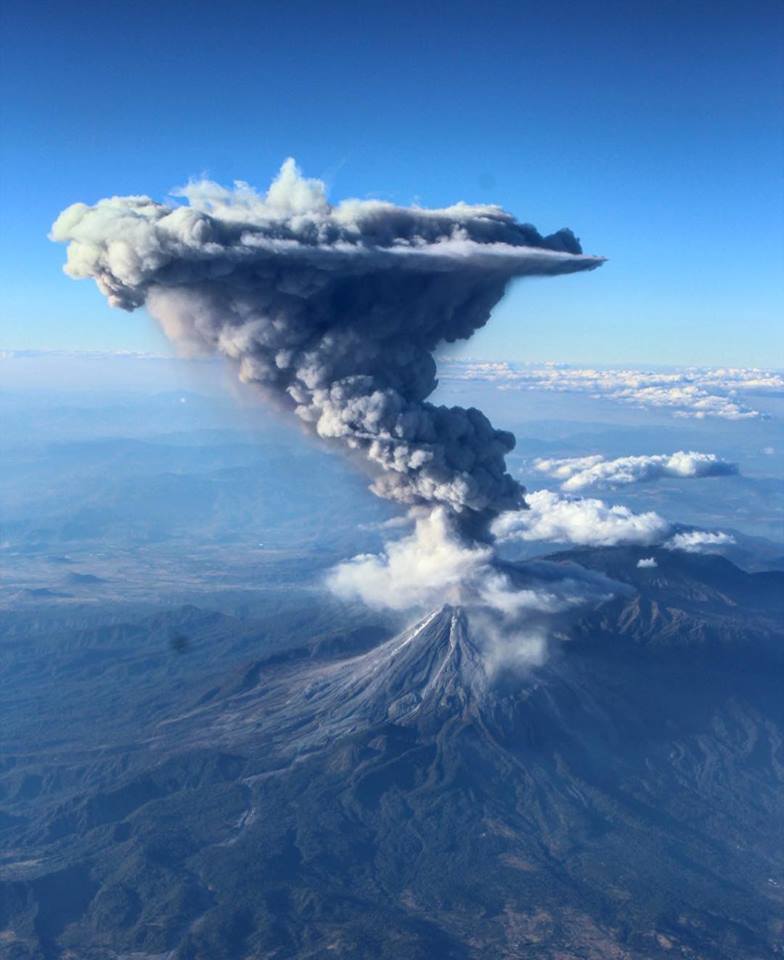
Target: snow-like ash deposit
(333,311)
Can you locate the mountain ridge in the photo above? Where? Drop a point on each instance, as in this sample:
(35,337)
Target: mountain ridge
(622,800)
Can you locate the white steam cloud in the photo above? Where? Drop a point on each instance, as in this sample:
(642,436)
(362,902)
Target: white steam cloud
(333,311)
(510,608)
(427,568)
(432,566)
(580,472)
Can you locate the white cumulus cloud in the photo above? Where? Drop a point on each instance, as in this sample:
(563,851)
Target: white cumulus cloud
(580,472)
(589,522)
(586,522)
(699,541)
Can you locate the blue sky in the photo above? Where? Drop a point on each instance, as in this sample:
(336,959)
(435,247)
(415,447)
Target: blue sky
(653,129)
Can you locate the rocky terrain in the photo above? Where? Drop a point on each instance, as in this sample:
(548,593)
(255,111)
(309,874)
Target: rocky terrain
(173,790)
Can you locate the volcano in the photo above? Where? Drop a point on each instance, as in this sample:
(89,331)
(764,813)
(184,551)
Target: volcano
(430,671)
(395,798)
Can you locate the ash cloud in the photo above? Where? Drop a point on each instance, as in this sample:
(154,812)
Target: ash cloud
(334,312)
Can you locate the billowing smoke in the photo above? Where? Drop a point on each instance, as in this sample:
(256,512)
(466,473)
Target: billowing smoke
(334,312)
(514,610)
(431,566)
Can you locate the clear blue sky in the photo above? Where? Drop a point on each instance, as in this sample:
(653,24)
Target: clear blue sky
(653,129)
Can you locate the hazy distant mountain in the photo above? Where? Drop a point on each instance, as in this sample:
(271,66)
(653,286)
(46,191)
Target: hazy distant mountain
(387,797)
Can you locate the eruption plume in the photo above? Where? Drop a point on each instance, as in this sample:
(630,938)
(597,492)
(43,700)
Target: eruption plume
(334,312)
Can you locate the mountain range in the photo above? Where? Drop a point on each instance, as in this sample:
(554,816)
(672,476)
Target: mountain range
(385,793)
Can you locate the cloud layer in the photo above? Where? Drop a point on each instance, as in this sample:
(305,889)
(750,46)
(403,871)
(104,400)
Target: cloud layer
(580,472)
(694,392)
(334,312)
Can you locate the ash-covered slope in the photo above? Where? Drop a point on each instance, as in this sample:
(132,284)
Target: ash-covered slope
(431,670)
(623,801)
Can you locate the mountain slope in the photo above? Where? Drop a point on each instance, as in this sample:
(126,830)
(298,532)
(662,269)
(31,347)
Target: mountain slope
(623,801)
